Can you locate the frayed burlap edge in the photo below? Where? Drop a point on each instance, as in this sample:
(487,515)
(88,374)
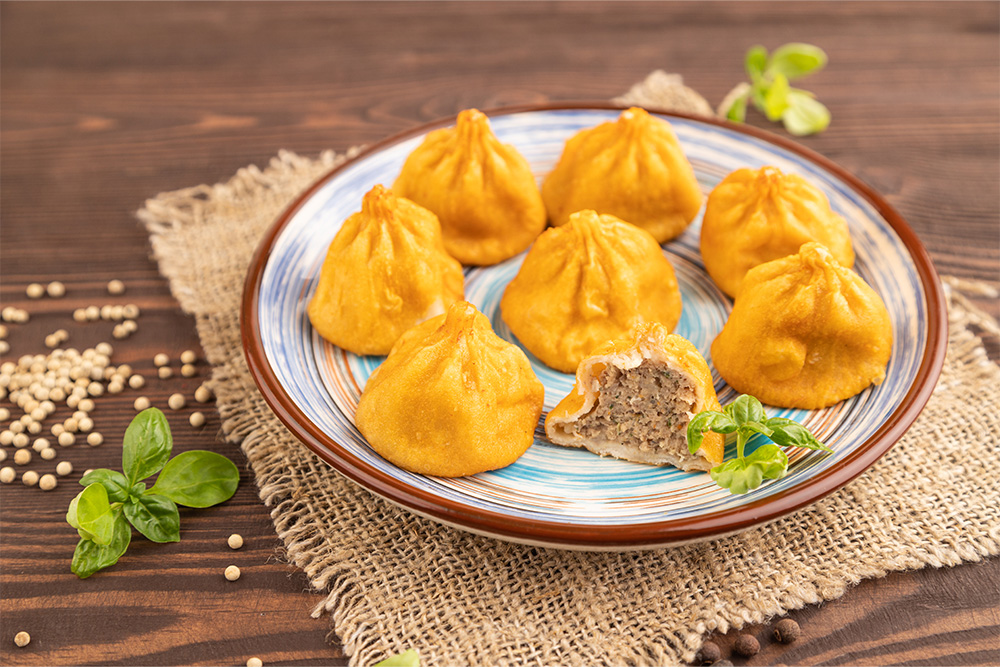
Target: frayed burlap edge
(394,581)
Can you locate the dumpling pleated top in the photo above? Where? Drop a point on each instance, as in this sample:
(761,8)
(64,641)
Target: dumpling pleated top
(756,215)
(632,168)
(482,191)
(804,332)
(587,282)
(385,270)
(452,398)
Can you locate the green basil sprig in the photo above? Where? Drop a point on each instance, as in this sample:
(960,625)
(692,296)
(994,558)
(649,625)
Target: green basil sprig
(112,500)
(770,93)
(745,416)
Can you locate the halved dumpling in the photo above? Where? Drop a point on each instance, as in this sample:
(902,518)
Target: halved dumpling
(633,399)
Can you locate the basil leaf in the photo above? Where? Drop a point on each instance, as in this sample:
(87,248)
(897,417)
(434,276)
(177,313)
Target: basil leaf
(795,60)
(198,479)
(90,513)
(147,445)
(89,557)
(804,114)
(755,62)
(738,110)
(772,462)
(787,432)
(113,482)
(745,409)
(708,420)
(757,427)
(776,98)
(737,476)
(408,658)
(155,517)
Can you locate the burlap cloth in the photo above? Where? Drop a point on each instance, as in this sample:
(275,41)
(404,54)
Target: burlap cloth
(394,581)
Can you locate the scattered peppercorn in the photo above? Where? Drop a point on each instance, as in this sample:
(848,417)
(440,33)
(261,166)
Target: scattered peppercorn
(29,478)
(22,457)
(7,474)
(255,662)
(161,359)
(48,453)
(64,468)
(95,439)
(197,419)
(189,370)
(786,631)
(746,645)
(22,639)
(235,541)
(116,287)
(47,482)
(232,573)
(67,439)
(203,394)
(141,404)
(136,381)
(56,289)
(188,357)
(35,291)
(164,372)
(708,654)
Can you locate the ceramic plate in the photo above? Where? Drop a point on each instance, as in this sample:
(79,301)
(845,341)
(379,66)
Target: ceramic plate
(570,498)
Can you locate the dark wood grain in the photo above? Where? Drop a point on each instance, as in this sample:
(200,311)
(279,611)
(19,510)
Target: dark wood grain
(103,105)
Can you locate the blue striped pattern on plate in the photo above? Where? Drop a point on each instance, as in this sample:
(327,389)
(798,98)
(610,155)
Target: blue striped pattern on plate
(571,486)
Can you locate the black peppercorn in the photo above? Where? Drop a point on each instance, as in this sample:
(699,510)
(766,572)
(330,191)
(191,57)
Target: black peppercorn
(708,654)
(746,645)
(786,631)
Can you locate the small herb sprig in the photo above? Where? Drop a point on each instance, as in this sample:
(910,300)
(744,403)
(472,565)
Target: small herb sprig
(770,93)
(745,416)
(102,512)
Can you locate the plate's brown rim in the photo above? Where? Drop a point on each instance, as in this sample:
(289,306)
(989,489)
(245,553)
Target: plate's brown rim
(645,535)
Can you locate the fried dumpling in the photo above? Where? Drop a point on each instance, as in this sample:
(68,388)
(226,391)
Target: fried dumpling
(804,332)
(385,270)
(754,216)
(483,191)
(633,399)
(632,168)
(452,398)
(585,283)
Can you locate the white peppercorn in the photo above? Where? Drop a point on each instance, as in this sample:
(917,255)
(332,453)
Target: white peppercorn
(164,372)
(22,639)
(22,457)
(232,572)
(161,359)
(189,370)
(235,541)
(56,289)
(95,439)
(202,394)
(67,439)
(7,474)
(86,424)
(197,419)
(116,287)
(48,453)
(35,291)
(64,468)
(6,437)
(136,381)
(29,478)
(21,440)
(86,405)
(176,401)
(141,403)
(39,444)
(188,357)
(3,455)
(47,482)
(255,662)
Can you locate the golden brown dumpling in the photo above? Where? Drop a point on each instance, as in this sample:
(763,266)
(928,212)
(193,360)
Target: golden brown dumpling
(633,169)
(585,283)
(483,191)
(452,398)
(633,399)
(754,216)
(804,332)
(385,270)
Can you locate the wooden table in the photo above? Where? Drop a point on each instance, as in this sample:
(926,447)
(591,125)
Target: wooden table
(104,105)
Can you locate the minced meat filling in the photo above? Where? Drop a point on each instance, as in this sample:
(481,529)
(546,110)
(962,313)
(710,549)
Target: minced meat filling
(646,407)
